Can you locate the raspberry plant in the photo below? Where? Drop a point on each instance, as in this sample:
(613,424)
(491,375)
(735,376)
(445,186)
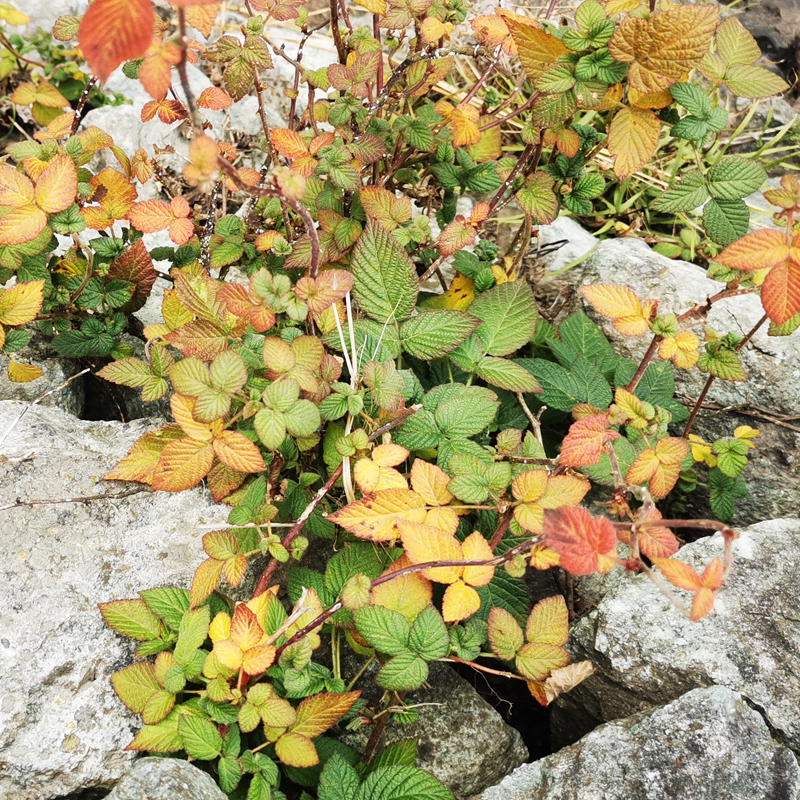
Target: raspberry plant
(324,394)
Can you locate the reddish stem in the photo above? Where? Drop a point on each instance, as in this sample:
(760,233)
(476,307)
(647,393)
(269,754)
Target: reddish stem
(645,362)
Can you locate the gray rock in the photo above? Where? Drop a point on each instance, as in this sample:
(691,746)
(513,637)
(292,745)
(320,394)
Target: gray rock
(579,243)
(56,370)
(462,739)
(771,362)
(707,745)
(62,728)
(646,653)
(166,779)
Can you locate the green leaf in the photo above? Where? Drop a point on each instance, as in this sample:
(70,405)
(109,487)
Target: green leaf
(385,630)
(228,371)
(402,673)
(230,773)
(158,706)
(419,432)
(402,753)
(717,119)
(200,737)
(565,388)
(733,177)
(723,364)
(731,456)
(418,134)
(131,618)
(589,187)
(692,98)
(508,317)
(402,783)
(301,578)
(686,194)
(302,419)
(429,638)
(691,128)
(192,633)
(338,781)
(748,80)
(467,413)
(271,428)
(724,491)
(385,281)
(726,221)
(168,602)
(160,738)
(538,198)
(578,332)
(135,685)
(506,374)
(260,788)
(432,334)
(356,558)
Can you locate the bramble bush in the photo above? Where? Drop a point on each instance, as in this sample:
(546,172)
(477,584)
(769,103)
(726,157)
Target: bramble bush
(445,441)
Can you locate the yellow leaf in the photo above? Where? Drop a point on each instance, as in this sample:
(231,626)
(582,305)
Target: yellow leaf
(621,305)
(23,373)
(735,44)
(464,122)
(459,602)
(318,713)
(538,659)
(389,455)
(174,312)
(548,622)
(57,185)
(373,6)
(530,485)
(612,96)
(295,750)
(377,516)
(745,433)
(408,594)
(649,100)
(442,517)
(459,296)
(237,452)
(664,47)
(367,474)
(22,224)
(430,482)
(476,548)
(141,461)
(530,516)
(423,543)
(563,490)
(633,138)
(21,303)
(542,557)
(12,16)
(182,409)
(15,188)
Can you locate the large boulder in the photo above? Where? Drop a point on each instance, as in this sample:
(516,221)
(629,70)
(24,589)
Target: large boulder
(62,728)
(647,653)
(166,779)
(707,745)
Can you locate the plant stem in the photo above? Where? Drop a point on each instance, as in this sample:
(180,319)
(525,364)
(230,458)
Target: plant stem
(505,521)
(197,123)
(645,362)
(377,732)
(336,33)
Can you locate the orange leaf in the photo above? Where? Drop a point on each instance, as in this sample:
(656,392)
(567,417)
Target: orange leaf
(389,455)
(459,602)
(214,98)
(318,713)
(780,292)
(141,461)
(150,216)
(21,303)
(183,464)
(288,143)
(155,73)
(22,224)
(203,153)
(200,14)
(57,185)
(182,409)
(238,452)
(583,445)
(377,516)
(665,47)
(537,49)
(585,544)
(424,543)
(168,111)
(114,192)
(679,574)
(113,31)
(760,250)
(632,139)
(654,541)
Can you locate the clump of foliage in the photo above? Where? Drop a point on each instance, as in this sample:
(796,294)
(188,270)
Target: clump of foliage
(445,441)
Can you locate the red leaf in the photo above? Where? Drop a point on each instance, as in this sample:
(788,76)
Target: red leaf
(780,293)
(113,31)
(583,445)
(585,544)
(136,266)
